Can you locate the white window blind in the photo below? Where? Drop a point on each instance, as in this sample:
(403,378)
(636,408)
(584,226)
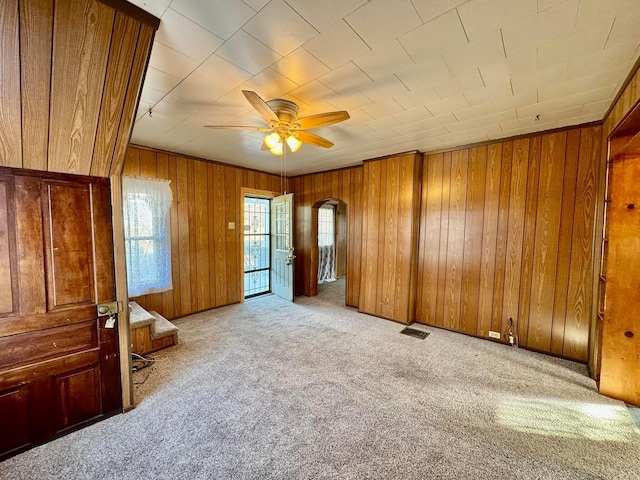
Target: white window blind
(146,204)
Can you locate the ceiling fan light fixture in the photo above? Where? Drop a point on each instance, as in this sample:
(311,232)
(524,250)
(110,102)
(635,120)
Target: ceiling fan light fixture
(273,140)
(293,142)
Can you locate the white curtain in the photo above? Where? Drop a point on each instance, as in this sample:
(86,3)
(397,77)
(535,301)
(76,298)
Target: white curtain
(326,244)
(146,204)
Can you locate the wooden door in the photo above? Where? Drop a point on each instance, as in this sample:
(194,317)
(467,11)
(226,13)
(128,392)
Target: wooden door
(620,360)
(282,282)
(59,364)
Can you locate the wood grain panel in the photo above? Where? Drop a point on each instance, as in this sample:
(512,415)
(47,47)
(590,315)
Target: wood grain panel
(579,312)
(121,57)
(513,265)
(182,200)
(202,236)
(387,219)
(528,245)
(370,238)
(431,211)
(456,236)
(10,110)
(219,216)
(474,220)
(546,246)
(80,56)
(501,239)
(405,265)
(565,241)
(489,238)
(36,28)
(444,231)
(138,70)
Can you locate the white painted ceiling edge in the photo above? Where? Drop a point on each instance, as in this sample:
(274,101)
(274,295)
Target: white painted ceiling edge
(413,74)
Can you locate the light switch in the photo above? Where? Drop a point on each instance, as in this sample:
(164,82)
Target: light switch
(232,225)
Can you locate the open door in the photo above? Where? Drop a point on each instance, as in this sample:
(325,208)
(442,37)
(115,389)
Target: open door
(59,360)
(282,258)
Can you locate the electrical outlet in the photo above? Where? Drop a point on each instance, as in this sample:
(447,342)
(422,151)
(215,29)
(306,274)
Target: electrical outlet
(493,334)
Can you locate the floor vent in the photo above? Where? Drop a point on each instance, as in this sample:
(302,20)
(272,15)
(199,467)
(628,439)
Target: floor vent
(412,332)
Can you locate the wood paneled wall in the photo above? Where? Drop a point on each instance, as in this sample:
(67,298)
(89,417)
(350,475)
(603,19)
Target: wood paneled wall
(206,255)
(71,74)
(391,203)
(507,232)
(346,185)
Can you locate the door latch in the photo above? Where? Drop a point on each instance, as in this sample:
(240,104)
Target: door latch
(109,308)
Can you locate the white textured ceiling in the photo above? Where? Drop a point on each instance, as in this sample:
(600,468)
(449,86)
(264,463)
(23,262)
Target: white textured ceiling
(413,74)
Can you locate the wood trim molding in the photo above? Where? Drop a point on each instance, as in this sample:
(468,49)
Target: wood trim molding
(624,86)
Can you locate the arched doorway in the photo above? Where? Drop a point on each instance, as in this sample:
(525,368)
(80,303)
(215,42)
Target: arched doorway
(329,247)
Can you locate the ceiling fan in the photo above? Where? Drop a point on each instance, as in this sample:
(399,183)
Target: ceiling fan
(282,120)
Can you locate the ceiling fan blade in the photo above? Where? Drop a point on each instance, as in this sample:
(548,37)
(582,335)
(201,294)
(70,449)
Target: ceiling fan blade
(240,127)
(312,139)
(321,119)
(261,106)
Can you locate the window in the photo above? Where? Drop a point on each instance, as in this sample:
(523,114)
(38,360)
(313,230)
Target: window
(147,234)
(326,244)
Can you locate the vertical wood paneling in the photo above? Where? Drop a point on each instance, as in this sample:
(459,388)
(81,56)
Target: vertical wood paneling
(36,27)
(10,114)
(474,220)
(201,220)
(517,202)
(80,56)
(390,237)
(501,239)
(219,218)
(182,200)
(370,238)
(579,313)
(121,58)
(565,241)
(527,229)
(546,246)
(444,231)
(387,217)
(531,212)
(489,238)
(455,243)
(430,236)
(138,69)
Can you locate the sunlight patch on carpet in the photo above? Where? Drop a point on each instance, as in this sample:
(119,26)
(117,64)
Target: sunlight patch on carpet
(569,419)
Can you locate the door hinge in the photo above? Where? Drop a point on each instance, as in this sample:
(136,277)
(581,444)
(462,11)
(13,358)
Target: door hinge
(109,308)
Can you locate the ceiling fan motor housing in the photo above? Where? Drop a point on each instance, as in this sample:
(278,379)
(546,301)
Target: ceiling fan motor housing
(286,110)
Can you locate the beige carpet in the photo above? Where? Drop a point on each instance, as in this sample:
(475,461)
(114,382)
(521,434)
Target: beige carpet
(273,390)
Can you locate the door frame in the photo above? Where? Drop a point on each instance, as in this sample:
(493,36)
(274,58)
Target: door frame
(247,192)
(313,271)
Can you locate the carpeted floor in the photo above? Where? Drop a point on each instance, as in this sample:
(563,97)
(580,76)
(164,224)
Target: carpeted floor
(273,390)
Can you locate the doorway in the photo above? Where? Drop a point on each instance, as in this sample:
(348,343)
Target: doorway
(257,246)
(268,250)
(329,249)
